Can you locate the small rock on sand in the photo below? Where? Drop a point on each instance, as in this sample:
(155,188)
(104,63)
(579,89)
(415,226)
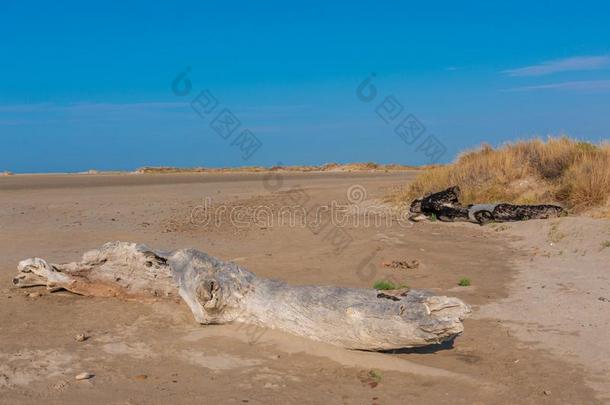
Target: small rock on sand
(34,295)
(81,337)
(83,376)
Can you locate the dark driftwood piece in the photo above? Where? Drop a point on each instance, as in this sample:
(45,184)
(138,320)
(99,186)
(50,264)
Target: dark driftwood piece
(445,205)
(219,292)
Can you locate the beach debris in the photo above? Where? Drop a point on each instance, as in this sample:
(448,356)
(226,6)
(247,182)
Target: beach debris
(34,295)
(402,264)
(60,386)
(372,378)
(84,376)
(220,292)
(418,218)
(445,206)
(140,377)
(81,337)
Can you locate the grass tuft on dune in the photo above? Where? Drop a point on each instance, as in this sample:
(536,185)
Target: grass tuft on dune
(560,170)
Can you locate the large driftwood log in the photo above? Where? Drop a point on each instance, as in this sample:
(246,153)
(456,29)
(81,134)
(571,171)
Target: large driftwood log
(219,292)
(445,205)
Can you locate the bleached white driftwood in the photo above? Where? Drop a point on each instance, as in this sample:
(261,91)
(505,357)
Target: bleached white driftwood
(219,292)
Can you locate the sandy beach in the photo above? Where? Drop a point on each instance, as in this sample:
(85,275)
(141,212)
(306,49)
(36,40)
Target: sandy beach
(541,305)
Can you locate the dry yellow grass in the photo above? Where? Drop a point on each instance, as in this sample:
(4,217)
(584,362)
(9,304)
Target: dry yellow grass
(560,170)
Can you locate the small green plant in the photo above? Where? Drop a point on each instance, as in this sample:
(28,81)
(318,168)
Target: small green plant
(606,244)
(376,375)
(464,282)
(433,217)
(388,285)
(384,285)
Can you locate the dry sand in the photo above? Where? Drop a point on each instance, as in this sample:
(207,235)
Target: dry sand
(538,332)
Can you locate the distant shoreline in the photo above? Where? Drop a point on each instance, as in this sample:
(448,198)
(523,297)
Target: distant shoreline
(329,167)
(72,181)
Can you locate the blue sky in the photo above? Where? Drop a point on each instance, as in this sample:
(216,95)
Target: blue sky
(88,85)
